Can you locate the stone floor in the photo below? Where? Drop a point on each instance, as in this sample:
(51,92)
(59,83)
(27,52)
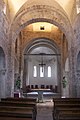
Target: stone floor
(44,110)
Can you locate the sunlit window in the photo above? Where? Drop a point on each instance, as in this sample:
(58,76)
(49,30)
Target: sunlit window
(41,71)
(16,45)
(35,71)
(78,6)
(4,9)
(49,71)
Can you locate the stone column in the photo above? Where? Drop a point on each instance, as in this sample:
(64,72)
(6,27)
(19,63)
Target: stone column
(24,73)
(2,83)
(72,82)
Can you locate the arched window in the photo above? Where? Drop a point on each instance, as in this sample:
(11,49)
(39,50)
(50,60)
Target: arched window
(41,71)
(78,6)
(49,71)
(16,46)
(4,9)
(35,71)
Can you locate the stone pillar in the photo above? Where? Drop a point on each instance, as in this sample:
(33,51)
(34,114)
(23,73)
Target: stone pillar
(2,83)
(72,82)
(24,73)
(10,72)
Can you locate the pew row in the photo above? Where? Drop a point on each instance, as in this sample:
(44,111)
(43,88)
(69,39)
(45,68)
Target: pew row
(66,109)
(16,113)
(27,109)
(19,99)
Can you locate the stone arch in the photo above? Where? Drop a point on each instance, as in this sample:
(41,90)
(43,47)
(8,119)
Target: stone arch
(41,12)
(45,42)
(2,72)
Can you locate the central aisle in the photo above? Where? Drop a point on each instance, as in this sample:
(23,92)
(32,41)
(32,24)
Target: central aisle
(44,110)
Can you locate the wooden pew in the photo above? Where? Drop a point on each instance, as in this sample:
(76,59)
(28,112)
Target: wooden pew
(69,101)
(12,118)
(29,101)
(68,115)
(15,113)
(20,104)
(66,99)
(19,99)
(64,108)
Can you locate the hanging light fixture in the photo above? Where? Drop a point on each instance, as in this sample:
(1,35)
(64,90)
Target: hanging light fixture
(42,64)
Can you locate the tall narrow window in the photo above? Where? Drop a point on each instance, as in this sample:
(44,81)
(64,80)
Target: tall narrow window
(78,6)
(41,71)
(49,71)
(16,45)
(35,71)
(4,9)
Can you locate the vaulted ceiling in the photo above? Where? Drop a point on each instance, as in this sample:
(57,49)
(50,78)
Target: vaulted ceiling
(15,5)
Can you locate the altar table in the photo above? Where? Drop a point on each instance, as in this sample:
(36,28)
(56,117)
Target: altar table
(40,93)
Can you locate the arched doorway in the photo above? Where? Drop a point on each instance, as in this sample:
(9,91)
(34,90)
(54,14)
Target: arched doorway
(2,73)
(42,64)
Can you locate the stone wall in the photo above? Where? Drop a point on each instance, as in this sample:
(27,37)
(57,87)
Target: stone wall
(76,28)
(28,14)
(35,13)
(4,44)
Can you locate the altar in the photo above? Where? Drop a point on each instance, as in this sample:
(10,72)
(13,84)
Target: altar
(40,93)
